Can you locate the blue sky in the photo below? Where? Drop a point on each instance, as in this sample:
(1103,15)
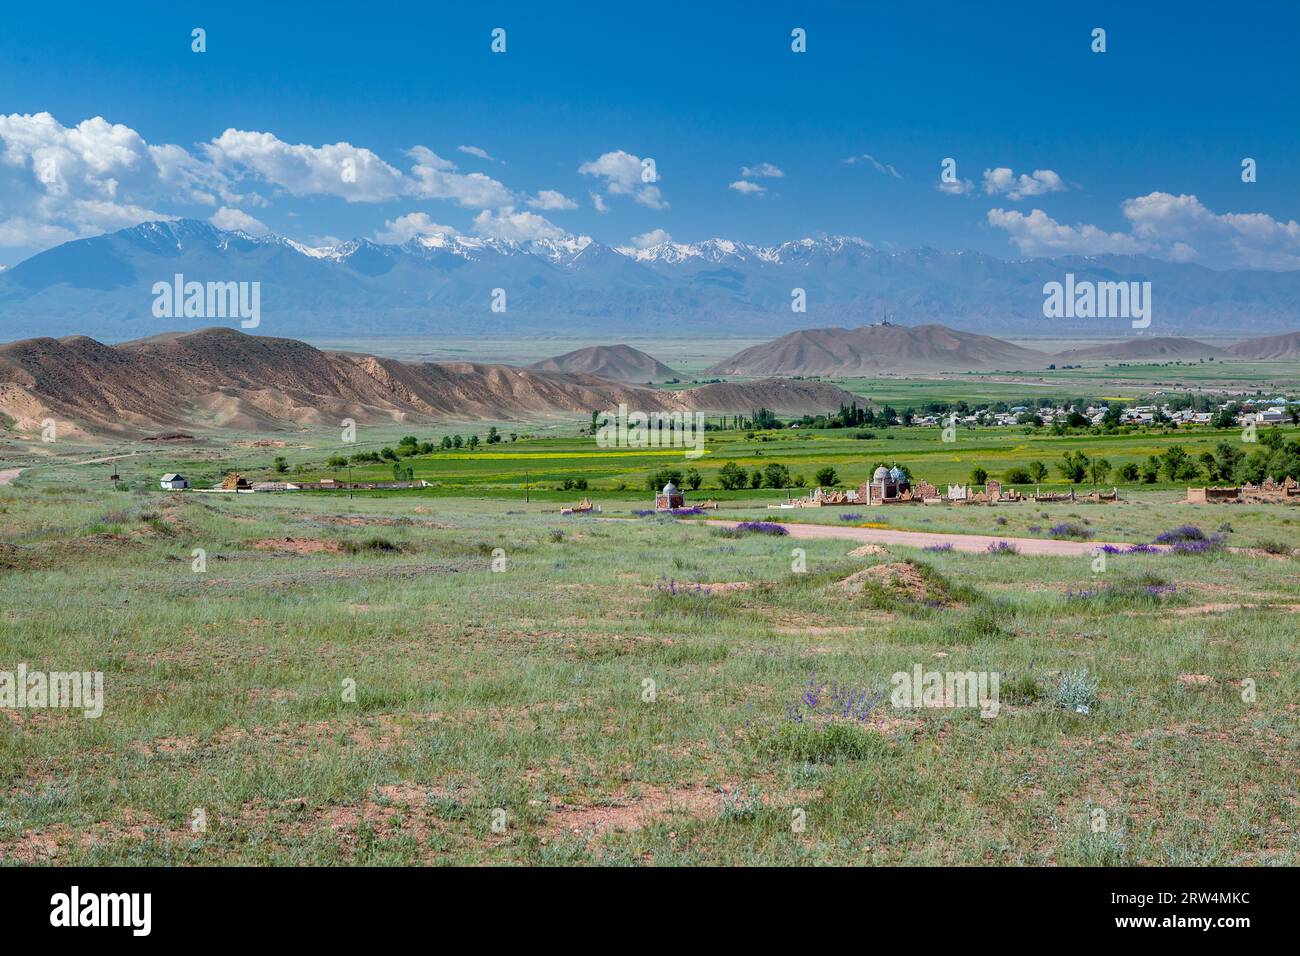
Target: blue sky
(1137,149)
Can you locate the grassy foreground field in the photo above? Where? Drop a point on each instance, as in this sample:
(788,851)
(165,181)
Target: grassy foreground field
(586,703)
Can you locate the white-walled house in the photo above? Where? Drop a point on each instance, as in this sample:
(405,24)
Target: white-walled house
(174,482)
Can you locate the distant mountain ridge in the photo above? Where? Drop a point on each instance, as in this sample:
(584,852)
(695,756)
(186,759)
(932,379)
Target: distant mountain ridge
(886,349)
(619,363)
(1161,348)
(223,379)
(444,284)
(1268,347)
(872,349)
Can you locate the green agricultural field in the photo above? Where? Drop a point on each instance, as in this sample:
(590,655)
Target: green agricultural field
(418,678)
(541,465)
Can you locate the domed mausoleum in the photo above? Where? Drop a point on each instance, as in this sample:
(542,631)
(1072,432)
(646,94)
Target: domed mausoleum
(669,498)
(886,484)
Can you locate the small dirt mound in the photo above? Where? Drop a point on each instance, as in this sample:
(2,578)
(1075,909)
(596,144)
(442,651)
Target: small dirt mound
(868,551)
(901,577)
(902,584)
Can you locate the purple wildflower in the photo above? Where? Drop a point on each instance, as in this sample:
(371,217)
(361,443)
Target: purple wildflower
(1185,532)
(761,527)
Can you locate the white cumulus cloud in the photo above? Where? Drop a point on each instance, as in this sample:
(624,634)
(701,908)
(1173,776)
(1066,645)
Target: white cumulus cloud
(958,187)
(1004,182)
(1038,234)
(399,230)
(1177,228)
(520,226)
(238,220)
(652,238)
(549,199)
(351,173)
(437,178)
(627,175)
(747,188)
(761,171)
(59,183)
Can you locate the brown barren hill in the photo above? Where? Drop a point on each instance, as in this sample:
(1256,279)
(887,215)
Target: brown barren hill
(222,378)
(620,363)
(871,349)
(1267,348)
(776,394)
(1157,347)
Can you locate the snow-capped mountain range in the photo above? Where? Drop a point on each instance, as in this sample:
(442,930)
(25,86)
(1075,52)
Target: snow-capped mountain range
(446,284)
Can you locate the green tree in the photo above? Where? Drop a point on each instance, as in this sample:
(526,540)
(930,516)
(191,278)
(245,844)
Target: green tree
(731,476)
(281,464)
(473,441)
(776,476)
(978,475)
(1037,471)
(826,477)
(756,479)
(694,479)
(656,480)
(1017,476)
(1074,466)
(1227,459)
(1098,469)
(1225,417)
(1177,465)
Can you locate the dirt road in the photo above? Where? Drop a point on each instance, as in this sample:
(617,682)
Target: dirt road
(924,539)
(9,474)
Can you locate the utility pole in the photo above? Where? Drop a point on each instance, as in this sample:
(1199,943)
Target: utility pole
(526,498)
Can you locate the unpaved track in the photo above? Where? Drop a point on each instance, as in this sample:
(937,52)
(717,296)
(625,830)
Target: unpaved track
(9,474)
(925,539)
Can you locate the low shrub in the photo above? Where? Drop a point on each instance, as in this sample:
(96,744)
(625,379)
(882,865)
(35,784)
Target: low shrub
(1076,691)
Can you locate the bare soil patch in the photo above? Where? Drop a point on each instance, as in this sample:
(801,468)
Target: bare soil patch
(298,545)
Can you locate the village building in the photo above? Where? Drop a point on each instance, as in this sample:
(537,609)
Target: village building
(669,498)
(170,482)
